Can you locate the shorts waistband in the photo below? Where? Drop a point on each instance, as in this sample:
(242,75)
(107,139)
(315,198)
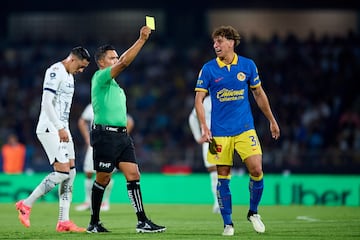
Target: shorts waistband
(109,128)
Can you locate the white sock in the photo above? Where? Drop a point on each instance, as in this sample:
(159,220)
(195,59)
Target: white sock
(65,196)
(46,185)
(107,192)
(88,186)
(214,180)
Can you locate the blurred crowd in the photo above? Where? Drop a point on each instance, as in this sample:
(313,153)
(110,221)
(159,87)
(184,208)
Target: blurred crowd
(310,84)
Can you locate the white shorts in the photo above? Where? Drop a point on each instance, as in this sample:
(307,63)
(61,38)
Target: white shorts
(205,149)
(88,161)
(61,151)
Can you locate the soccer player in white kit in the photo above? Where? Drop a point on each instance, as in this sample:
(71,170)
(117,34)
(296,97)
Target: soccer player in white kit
(196,131)
(54,134)
(84,123)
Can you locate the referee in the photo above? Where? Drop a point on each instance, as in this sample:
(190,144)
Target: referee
(112,145)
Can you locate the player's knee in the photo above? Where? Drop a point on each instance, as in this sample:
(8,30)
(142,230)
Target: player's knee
(58,177)
(132,175)
(105,182)
(256,172)
(104,179)
(88,175)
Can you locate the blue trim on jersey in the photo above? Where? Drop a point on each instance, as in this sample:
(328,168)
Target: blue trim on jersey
(50,90)
(228,87)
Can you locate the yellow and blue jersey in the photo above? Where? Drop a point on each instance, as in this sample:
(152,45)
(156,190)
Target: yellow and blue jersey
(228,87)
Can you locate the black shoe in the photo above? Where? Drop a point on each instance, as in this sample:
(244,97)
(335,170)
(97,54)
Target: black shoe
(149,227)
(96,228)
(250,213)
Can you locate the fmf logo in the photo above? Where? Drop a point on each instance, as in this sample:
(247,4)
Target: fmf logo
(104,165)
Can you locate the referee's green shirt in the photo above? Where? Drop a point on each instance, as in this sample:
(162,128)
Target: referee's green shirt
(108,100)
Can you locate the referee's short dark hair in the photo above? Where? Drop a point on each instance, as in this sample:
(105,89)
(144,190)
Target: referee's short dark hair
(81,52)
(101,51)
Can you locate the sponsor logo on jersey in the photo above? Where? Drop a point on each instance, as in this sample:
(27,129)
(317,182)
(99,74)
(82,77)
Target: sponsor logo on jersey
(230,95)
(257,79)
(70,85)
(52,75)
(199,82)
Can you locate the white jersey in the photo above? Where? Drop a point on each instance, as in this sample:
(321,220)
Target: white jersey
(196,129)
(194,122)
(54,115)
(88,114)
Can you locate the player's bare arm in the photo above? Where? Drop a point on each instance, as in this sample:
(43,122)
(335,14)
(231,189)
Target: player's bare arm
(200,111)
(263,103)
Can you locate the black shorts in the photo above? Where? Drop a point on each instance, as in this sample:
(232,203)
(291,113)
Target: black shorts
(110,148)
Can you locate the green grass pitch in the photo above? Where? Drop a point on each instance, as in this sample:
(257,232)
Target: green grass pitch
(190,222)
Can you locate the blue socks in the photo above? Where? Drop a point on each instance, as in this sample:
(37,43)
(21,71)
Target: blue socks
(255,190)
(224,198)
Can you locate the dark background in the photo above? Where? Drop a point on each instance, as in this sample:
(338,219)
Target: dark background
(160,85)
(174,9)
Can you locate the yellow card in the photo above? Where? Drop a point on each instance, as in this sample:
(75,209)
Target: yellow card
(150,22)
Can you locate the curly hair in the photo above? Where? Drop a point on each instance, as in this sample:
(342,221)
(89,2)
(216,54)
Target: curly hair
(227,32)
